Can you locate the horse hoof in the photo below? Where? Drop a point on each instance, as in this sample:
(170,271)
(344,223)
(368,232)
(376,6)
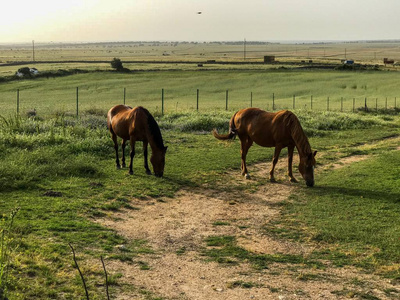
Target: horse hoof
(247,176)
(118,167)
(130,172)
(148,172)
(272,180)
(124,165)
(293,180)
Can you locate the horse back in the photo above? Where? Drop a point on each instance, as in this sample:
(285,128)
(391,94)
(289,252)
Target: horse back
(266,129)
(125,121)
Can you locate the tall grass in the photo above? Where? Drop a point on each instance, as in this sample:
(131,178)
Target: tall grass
(6,248)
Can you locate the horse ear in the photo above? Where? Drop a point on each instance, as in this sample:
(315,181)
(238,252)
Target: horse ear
(315,152)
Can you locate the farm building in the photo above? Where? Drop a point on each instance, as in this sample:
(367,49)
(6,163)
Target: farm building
(388,61)
(269,59)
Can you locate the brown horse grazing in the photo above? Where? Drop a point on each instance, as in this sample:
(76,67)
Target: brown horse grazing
(137,124)
(281,129)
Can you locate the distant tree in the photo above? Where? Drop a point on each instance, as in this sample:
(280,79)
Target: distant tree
(117,64)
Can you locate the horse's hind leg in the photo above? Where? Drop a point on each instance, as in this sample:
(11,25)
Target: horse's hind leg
(123,145)
(146,165)
(115,140)
(245,144)
(290,162)
(274,162)
(132,155)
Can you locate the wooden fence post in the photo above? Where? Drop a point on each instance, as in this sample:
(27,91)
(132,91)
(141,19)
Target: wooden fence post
(197,102)
(273,101)
(311,103)
(294,101)
(124,95)
(327,105)
(226,100)
(251,99)
(341,104)
(162,101)
(77,102)
(354,104)
(17,101)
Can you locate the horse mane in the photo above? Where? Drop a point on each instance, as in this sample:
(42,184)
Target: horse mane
(155,130)
(297,133)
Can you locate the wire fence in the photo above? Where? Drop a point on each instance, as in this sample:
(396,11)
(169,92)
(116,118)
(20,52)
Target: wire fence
(79,101)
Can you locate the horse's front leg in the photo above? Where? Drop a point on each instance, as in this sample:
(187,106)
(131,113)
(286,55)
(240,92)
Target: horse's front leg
(278,149)
(290,161)
(115,140)
(146,165)
(123,145)
(132,154)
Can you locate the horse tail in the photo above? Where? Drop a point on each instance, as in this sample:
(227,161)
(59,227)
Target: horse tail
(232,131)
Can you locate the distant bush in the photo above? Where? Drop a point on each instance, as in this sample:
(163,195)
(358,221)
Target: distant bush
(116,64)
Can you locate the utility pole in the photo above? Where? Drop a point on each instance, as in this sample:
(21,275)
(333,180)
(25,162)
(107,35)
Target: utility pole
(33,50)
(244,50)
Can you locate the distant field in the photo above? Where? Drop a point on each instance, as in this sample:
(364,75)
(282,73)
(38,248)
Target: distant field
(361,52)
(290,89)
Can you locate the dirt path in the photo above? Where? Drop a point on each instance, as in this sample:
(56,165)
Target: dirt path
(183,223)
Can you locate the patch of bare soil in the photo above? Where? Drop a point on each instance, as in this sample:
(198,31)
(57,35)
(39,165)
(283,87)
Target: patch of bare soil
(193,215)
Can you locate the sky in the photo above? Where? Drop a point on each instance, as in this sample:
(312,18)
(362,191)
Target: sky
(178,20)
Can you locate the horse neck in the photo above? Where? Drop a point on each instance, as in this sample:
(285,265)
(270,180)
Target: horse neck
(155,138)
(300,139)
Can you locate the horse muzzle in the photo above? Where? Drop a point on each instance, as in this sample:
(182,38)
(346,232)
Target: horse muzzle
(310,183)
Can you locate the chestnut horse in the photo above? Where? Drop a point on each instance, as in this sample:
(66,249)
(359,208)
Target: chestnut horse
(281,129)
(137,124)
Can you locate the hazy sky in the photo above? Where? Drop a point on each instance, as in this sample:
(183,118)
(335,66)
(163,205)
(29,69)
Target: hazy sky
(177,20)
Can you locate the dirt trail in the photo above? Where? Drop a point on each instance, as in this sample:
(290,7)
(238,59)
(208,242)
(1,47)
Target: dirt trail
(186,220)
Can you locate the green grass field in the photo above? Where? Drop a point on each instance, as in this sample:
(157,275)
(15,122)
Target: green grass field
(319,90)
(59,169)
(60,172)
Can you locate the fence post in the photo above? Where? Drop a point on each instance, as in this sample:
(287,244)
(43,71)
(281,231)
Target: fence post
(162,101)
(395,103)
(386,104)
(77,102)
(376,104)
(294,101)
(365,104)
(354,104)
(226,100)
(273,101)
(17,101)
(311,103)
(124,95)
(327,105)
(197,102)
(341,104)
(251,99)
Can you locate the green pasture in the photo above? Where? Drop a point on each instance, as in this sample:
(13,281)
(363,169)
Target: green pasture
(60,172)
(267,89)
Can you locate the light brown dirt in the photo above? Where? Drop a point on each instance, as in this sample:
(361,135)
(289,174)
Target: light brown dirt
(186,220)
